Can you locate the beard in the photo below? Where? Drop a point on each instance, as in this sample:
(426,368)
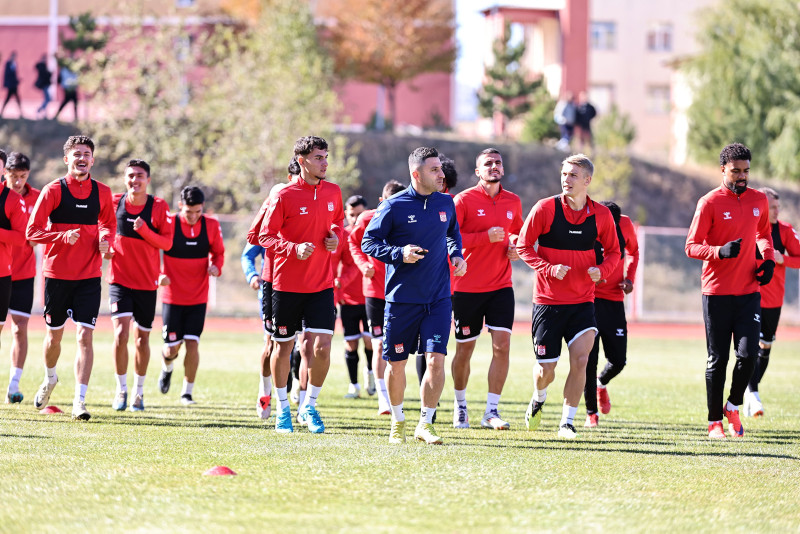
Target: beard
(737,188)
(492,179)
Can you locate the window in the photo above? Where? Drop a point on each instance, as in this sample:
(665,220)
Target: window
(658,99)
(603,35)
(659,37)
(602,97)
(184,3)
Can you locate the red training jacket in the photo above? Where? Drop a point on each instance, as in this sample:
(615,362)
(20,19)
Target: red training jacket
(609,289)
(189,276)
(13,237)
(772,293)
(348,274)
(724,216)
(23,263)
(375,286)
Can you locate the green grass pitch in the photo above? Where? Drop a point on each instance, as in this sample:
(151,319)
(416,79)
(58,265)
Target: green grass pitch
(648,467)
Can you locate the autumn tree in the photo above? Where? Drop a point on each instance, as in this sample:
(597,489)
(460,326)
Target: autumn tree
(388,42)
(508,89)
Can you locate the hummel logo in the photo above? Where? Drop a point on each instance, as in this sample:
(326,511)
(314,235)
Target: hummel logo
(758,318)
(726,215)
(81,205)
(303,210)
(190,243)
(620,332)
(576,231)
(412,218)
(481,213)
(130,220)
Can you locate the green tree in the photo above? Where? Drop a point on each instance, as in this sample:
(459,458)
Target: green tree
(746,83)
(508,87)
(613,134)
(539,124)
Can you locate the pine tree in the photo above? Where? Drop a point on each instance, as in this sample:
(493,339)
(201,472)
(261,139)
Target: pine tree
(508,89)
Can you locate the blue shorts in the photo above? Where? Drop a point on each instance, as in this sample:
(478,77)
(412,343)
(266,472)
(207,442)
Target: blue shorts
(412,328)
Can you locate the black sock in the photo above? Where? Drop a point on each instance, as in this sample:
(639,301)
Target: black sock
(295,359)
(422,365)
(351,359)
(368,355)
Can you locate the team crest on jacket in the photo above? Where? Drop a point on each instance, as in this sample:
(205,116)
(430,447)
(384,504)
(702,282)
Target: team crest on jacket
(509,216)
(443,216)
(398,348)
(756,213)
(330,206)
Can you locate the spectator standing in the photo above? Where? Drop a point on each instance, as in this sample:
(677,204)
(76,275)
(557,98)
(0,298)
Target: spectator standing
(11,83)
(69,82)
(584,114)
(44,78)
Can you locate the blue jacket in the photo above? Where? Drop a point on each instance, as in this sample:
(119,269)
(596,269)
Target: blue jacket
(409,218)
(249,255)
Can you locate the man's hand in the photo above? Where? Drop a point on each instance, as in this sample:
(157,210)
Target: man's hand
(103,246)
(337,283)
(71,236)
(255,283)
(626,286)
(764,272)
(511,253)
(778,257)
(496,234)
(332,241)
(108,255)
(560,271)
(594,274)
(411,253)
(460,266)
(730,249)
(304,250)
(163,280)
(369,272)
(138,223)
(213,270)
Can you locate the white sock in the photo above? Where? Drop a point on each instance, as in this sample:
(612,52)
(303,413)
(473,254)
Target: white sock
(301,397)
(187,387)
(168,367)
(14,376)
(50,373)
(122,382)
(311,395)
(138,382)
(283,399)
(80,392)
(265,386)
(568,414)
(383,391)
(426,415)
(540,394)
(461,397)
(397,413)
(599,385)
(731,408)
(753,393)
(492,400)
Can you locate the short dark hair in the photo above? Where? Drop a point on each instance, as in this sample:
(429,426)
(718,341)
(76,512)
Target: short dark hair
(391,188)
(489,150)
(191,195)
(734,152)
(139,163)
(449,170)
(17,161)
(614,209)
(771,193)
(305,145)
(73,140)
(3,156)
(293,168)
(417,158)
(356,200)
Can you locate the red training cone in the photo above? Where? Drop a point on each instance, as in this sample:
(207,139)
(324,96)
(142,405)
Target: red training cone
(220,470)
(50,410)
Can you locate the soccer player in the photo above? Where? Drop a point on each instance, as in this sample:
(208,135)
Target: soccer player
(197,252)
(566,271)
(302,226)
(74,218)
(609,313)
(374,282)
(728,220)
(144,228)
(350,296)
(490,218)
(414,232)
(23,271)
(787,254)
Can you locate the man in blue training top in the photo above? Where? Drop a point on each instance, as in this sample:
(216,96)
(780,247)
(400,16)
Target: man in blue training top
(414,232)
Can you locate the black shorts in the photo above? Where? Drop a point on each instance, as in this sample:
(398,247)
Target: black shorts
(5,297)
(354,321)
(137,303)
(470,309)
(76,299)
(182,322)
(769,324)
(612,327)
(293,312)
(266,306)
(375,308)
(554,322)
(21,297)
